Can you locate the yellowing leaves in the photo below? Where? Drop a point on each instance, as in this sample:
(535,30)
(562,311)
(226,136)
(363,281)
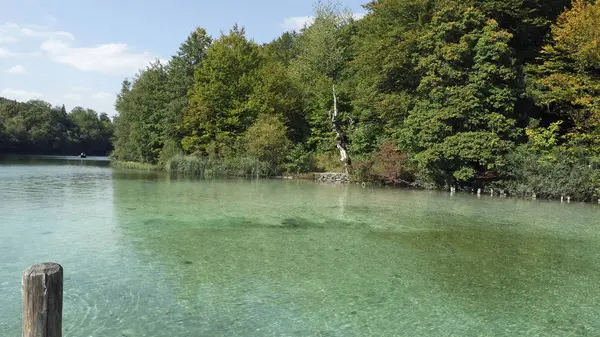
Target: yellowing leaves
(577,33)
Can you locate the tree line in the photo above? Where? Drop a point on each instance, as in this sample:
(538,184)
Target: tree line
(502,94)
(36,127)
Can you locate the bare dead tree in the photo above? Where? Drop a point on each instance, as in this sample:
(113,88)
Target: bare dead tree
(340,138)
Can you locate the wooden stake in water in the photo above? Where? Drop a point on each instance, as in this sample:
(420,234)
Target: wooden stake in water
(42,291)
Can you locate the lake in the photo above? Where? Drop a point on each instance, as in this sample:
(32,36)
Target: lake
(148,254)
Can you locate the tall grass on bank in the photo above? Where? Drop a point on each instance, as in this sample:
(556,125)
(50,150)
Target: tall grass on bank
(214,168)
(131,165)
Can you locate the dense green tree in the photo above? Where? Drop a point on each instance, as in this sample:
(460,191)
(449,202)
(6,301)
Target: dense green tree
(142,121)
(438,85)
(527,20)
(383,71)
(463,122)
(284,48)
(567,82)
(323,53)
(267,140)
(180,79)
(90,130)
(220,110)
(274,92)
(39,128)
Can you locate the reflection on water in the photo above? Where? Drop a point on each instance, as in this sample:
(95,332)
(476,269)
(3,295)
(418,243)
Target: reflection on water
(149,254)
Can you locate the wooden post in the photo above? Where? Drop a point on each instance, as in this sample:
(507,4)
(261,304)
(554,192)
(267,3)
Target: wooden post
(42,291)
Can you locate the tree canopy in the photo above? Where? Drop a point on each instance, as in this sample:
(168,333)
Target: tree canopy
(36,127)
(464,93)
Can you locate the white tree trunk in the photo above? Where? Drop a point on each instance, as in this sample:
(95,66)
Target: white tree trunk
(340,138)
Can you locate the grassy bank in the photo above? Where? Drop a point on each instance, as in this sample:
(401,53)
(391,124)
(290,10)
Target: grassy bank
(204,167)
(522,177)
(135,166)
(213,168)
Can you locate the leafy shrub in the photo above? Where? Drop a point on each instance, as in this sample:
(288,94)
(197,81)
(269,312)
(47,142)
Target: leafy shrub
(387,166)
(169,150)
(204,167)
(550,174)
(300,160)
(267,140)
(391,166)
(329,162)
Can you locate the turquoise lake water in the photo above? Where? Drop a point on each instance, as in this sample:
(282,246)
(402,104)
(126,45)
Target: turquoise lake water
(148,254)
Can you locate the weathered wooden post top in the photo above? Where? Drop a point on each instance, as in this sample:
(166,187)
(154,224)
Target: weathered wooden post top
(42,290)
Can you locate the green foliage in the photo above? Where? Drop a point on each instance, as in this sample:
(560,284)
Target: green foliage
(323,52)
(544,140)
(384,73)
(180,78)
(528,20)
(284,48)
(205,167)
(35,127)
(300,160)
(328,161)
(219,110)
(141,124)
(151,107)
(562,173)
(170,149)
(462,123)
(275,93)
(474,93)
(267,141)
(132,165)
(567,81)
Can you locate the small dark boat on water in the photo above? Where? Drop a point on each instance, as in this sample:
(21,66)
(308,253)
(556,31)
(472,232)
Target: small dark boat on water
(82,155)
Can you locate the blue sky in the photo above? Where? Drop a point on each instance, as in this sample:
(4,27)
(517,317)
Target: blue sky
(77,52)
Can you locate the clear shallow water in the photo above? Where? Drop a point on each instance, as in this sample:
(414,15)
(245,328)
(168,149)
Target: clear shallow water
(145,254)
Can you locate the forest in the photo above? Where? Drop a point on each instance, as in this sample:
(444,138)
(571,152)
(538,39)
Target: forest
(36,127)
(495,94)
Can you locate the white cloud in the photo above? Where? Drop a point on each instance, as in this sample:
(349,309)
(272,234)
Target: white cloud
(18,69)
(296,23)
(33,31)
(73,96)
(11,25)
(46,34)
(5,53)
(80,89)
(358,16)
(85,94)
(103,96)
(19,95)
(111,58)
(4,38)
